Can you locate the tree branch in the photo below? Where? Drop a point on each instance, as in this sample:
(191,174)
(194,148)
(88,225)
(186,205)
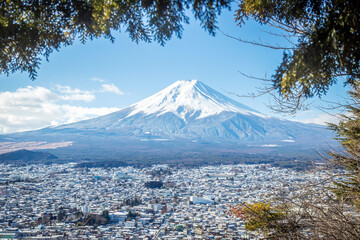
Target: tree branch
(257,43)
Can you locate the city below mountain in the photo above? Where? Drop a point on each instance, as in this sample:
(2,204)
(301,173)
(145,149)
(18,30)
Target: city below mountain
(187,116)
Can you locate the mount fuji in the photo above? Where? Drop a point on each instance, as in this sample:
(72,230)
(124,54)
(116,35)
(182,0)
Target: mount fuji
(184,115)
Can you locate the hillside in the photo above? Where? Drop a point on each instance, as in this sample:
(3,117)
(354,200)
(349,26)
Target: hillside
(26,156)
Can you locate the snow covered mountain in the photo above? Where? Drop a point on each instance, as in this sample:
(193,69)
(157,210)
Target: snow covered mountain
(190,110)
(189,100)
(188,118)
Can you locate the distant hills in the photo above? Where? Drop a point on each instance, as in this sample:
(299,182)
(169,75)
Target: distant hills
(26,156)
(186,117)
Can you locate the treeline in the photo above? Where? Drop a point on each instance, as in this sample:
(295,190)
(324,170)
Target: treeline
(74,216)
(23,157)
(293,162)
(101,164)
(132,202)
(154,184)
(176,160)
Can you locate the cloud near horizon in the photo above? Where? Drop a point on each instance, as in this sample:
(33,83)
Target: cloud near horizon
(321,119)
(32,108)
(75,94)
(96,79)
(111,88)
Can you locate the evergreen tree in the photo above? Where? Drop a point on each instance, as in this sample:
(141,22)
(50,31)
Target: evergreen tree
(348,134)
(61,215)
(105,214)
(328,44)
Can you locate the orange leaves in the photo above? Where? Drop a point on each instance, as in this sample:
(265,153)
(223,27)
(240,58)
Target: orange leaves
(258,216)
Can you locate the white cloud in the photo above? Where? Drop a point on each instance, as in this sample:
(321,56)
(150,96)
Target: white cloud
(321,119)
(270,145)
(68,93)
(111,88)
(37,107)
(95,79)
(76,94)
(75,113)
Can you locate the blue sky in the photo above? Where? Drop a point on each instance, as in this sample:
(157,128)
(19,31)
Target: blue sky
(83,81)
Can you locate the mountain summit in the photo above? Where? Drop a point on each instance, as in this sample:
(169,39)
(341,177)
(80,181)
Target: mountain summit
(189,100)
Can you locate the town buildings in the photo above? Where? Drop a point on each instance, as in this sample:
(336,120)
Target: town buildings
(61,201)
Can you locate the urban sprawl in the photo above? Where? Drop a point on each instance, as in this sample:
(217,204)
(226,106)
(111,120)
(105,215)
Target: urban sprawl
(66,202)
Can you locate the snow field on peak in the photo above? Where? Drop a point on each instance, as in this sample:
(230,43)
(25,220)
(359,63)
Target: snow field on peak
(189,99)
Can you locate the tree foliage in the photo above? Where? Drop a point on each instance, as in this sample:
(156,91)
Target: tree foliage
(328,45)
(348,134)
(132,202)
(311,213)
(30,29)
(259,216)
(327,49)
(131,215)
(154,184)
(61,215)
(105,214)
(329,209)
